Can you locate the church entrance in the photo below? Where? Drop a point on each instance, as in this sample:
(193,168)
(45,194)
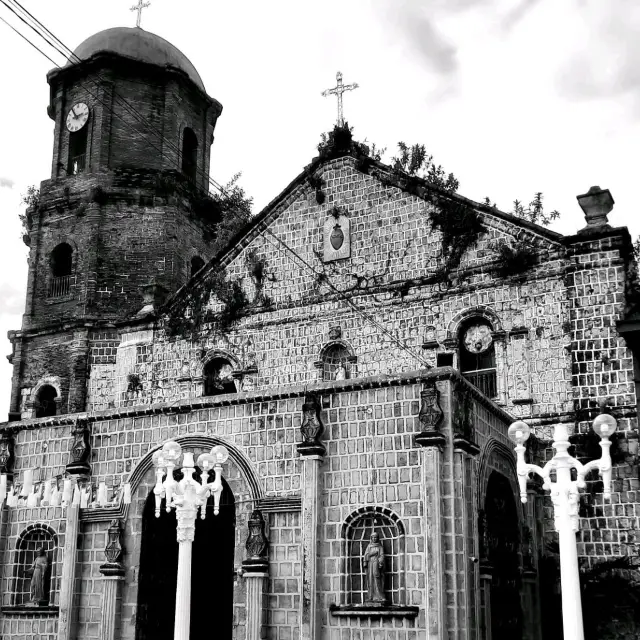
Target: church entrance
(503,539)
(211,572)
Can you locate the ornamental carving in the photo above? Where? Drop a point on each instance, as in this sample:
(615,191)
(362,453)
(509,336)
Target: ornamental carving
(6,453)
(431,413)
(113,550)
(477,338)
(80,448)
(257,542)
(311,428)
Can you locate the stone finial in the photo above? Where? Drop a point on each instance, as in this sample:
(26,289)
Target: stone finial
(596,204)
(80,449)
(6,453)
(256,545)
(113,551)
(430,416)
(311,428)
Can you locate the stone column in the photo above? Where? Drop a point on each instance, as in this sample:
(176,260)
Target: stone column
(312,452)
(113,574)
(68,571)
(256,571)
(186,530)
(433,442)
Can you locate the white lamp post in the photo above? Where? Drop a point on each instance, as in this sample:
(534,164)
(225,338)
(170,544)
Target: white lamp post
(186,497)
(564,495)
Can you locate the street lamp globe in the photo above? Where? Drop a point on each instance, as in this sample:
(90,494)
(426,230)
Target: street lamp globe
(605,425)
(519,432)
(220,453)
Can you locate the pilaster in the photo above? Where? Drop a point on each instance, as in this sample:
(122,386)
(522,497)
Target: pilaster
(256,572)
(312,452)
(68,572)
(433,442)
(113,574)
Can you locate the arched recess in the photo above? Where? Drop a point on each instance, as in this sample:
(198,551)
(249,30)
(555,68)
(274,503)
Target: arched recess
(217,368)
(355,537)
(337,361)
(45,386)
(480,311)
(34,537)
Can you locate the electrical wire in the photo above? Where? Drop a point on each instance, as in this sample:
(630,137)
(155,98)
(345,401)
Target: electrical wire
(27,39)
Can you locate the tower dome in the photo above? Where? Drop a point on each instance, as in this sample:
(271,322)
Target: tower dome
(138,44)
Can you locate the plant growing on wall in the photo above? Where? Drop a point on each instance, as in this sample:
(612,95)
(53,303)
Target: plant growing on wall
(514,258)
(31,199)
(189,315)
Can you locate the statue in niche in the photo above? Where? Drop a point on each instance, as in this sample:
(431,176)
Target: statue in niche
(373,560)
(38,572)
(341,372)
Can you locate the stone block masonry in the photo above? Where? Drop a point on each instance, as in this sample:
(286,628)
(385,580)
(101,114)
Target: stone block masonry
(372,462)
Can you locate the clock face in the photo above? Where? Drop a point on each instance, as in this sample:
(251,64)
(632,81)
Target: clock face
(77,117)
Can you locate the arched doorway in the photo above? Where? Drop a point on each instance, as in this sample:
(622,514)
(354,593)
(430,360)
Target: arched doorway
(211,571)
(503,540)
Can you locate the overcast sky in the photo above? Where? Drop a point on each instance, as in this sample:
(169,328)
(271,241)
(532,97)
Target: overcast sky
(513,96)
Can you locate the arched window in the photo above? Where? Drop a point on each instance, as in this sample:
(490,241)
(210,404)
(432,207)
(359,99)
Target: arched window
(218,378)
(196,264)
(45,402)
(31,541)
(78,151)
(478,356)
(336,363)
(61,265)
(357,538)
(189,153)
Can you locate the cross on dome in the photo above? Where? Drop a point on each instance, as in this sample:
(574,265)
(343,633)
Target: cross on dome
(338,90)
(139,7)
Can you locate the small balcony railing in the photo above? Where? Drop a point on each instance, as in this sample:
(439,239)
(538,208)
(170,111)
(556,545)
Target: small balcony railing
(60,286)
(77,164)
(484,380)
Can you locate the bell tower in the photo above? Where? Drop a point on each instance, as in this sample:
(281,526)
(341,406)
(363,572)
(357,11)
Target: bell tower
(122,213)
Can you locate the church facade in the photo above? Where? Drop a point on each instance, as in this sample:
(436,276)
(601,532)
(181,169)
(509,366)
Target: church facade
(360,348)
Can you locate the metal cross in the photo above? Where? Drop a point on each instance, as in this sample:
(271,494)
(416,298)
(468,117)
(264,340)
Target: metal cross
(338,90)
(139,7)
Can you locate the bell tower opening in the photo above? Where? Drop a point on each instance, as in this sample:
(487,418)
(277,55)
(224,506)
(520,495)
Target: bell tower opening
(77,151)
(189,154)
(211,571)
(45,403)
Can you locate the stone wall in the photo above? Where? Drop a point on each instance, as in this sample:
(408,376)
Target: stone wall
(373,464)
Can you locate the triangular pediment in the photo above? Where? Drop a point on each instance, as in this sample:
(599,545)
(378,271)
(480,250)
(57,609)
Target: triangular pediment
(392,236)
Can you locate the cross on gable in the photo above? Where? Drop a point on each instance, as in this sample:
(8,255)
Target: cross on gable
(338,90)
(139,7)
